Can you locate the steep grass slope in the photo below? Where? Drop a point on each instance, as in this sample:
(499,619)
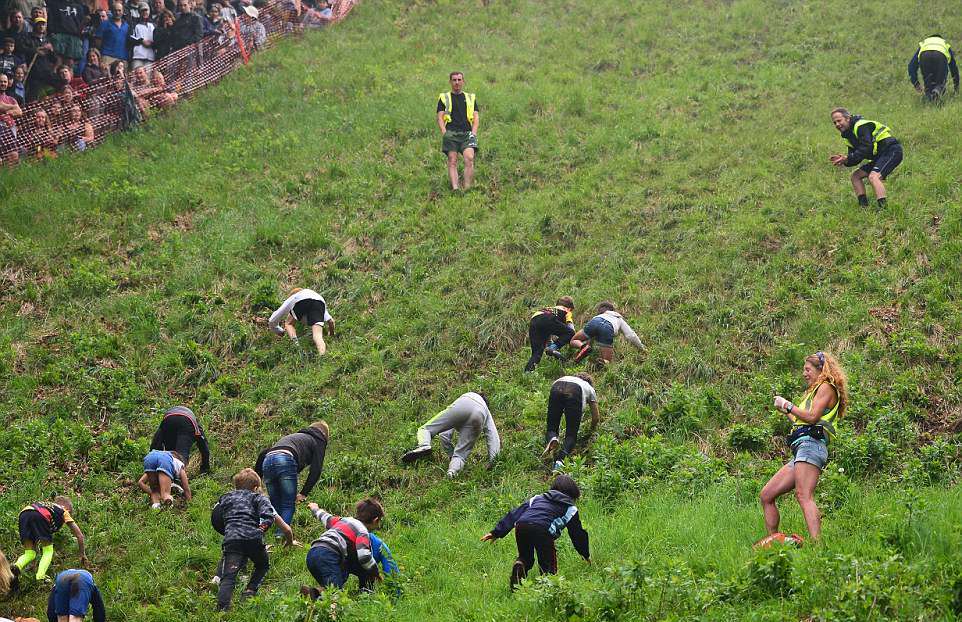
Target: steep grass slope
(671,157)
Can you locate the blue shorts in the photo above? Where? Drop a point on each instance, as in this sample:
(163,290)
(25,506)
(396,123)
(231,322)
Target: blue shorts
(65,604)
(600,330)
(161,461)
(809,450)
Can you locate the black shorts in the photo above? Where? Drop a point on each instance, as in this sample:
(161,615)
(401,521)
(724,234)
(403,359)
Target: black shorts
(886,161)
(34,527)
(310,311)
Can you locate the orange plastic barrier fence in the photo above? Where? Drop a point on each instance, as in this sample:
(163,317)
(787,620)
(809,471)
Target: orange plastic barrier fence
(81,116)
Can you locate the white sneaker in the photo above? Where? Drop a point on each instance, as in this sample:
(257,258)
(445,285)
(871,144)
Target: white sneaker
(558,466)
(551,446)
(154,506)
(215,580)
(176,488)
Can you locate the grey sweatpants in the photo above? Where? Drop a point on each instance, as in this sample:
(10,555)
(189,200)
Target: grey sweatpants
(466,416)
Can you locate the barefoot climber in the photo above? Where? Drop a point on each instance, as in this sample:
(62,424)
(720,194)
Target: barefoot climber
(458,119)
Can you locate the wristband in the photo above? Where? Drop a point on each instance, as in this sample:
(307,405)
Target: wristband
(790,408)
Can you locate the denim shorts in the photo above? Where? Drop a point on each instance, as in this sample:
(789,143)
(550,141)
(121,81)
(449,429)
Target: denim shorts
(159,461)
(600,330)
(811,451)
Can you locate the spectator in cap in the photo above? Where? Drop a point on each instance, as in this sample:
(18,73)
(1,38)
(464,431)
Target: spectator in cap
(142,39)
(29,43)
(251,28)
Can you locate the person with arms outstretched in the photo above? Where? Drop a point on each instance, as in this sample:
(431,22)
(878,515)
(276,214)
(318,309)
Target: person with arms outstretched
(866,140)
(458,118)
(537,523)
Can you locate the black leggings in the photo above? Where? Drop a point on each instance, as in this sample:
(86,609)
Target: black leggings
(531,538)
(935,72)
(540,329)
(236,554)
(565,398)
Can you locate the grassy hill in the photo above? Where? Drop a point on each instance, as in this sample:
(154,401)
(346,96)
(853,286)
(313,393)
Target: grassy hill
(672,157)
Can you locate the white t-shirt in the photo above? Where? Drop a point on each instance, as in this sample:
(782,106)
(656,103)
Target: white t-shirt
(587,391)
(274,322)
(143,31)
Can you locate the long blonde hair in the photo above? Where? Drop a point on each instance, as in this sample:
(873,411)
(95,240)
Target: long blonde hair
(6,575)
(830,371)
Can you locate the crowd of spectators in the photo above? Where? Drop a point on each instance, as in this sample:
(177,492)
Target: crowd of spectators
(74,70)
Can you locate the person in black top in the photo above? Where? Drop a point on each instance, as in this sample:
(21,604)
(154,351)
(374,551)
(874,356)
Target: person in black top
(280,464)
(537,523)
(550,321)
(458,120)
(178,431)
(935,57)
(866,140)
(67,20)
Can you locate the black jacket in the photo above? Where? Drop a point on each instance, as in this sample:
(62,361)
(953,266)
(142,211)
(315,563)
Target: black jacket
(308,446)
(864,143)
(188,28)
(554,510)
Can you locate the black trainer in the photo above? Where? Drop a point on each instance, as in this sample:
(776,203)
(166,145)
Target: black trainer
(518,573)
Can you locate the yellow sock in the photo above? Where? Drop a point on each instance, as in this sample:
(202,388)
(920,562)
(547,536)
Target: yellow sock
(28,556)
(46,556)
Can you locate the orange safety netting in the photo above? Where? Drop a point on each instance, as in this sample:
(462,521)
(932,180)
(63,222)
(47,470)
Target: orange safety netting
(79,119)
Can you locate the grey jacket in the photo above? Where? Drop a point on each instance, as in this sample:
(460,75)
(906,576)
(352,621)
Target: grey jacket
(247,515)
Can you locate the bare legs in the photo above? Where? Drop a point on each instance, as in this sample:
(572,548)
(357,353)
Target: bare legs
(803,478)
(468,156)
(875,179)
(317,332)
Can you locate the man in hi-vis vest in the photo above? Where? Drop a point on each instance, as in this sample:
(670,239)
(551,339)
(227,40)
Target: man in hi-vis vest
(866,140)
(935,58)
(458,120)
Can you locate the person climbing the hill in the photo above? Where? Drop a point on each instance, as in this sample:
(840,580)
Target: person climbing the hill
(10,577)
(537,523)
(347,541)
(601,329)
(161,468)
(382,556)
(569,396)
(178,431)
(458,118)
(74,593)
(38,522)
(245,515)
(469,416)
(550,321)
(935,58)
(308,307)
(813,426)
(867,140)
(280,464)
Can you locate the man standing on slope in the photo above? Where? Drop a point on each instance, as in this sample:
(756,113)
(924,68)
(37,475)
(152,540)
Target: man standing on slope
(867,140)
(935,58)
(458,120)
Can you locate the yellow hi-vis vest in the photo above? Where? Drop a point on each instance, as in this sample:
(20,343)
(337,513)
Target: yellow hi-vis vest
(828,419)
(935,43)
(881,133)
(468,103)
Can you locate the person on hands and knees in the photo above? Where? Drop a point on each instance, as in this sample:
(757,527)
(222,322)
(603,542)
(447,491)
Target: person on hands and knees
(936,58)
(308,307)
(537,523)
